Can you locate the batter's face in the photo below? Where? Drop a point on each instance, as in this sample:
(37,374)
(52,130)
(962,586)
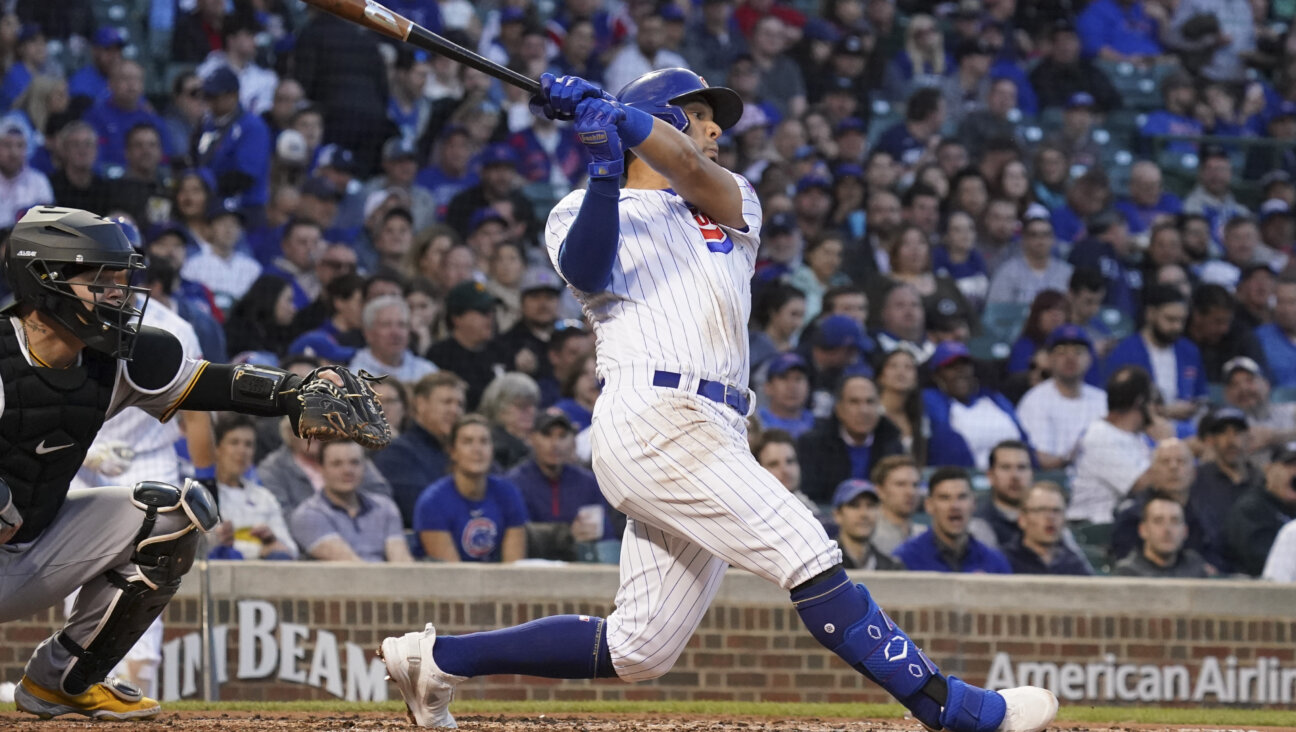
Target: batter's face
(780,459)
(702,129)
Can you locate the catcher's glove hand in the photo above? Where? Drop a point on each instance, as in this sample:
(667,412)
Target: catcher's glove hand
(352,411)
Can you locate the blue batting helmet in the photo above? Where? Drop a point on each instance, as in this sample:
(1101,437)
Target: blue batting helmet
(664,92)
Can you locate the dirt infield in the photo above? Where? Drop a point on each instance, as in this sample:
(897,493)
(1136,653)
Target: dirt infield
(246,722)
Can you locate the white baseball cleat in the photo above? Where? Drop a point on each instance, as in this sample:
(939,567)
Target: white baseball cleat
(1030,709)
(426,688)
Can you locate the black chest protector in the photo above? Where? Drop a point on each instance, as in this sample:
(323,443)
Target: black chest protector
(50,418)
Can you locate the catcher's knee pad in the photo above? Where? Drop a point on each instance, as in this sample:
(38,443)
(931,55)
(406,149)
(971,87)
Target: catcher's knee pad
(163,553)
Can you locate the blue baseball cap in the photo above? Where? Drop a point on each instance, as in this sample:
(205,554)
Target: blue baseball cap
(1065,334)
(29,31)
(1284,109)
(321,345)
(813,181)
(851,124)
(224,207)
(108,37)
(398,148)
(319,188)
(785,362)
(848,170)
(949,352)
(485,215)
(782,222)
(536,279)
(837,331)
(221,81)
(498,154)
(512,15)
(850,489)
(336,157)
(671,12)
(1081,99)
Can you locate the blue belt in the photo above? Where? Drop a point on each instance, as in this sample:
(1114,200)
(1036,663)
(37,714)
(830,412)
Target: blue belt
(720,393)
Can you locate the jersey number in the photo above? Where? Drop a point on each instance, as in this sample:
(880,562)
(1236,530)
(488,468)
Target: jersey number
(716,238)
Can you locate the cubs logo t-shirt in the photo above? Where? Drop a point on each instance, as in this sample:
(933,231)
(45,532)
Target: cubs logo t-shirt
(477,527)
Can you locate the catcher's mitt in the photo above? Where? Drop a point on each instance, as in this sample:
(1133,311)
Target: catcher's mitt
(352,411)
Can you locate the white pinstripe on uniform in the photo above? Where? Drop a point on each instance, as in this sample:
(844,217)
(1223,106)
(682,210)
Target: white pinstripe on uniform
(678,464)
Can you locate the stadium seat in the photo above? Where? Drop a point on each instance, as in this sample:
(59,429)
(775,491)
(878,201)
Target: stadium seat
(1095,539)
(1004,320)
(1283,394)
(1119,322)
(987,347)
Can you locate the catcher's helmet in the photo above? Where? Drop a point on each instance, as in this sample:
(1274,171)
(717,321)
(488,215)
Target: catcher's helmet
(50,245)
(664,92)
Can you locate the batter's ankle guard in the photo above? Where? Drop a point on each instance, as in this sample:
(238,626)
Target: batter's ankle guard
(162,556)
(844,618)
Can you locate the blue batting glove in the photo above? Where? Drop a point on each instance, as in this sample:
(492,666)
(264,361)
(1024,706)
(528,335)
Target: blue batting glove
(596,128)
(539,102)
(566,92)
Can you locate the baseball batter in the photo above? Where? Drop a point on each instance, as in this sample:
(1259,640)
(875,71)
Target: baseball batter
(661,266)
(66,347)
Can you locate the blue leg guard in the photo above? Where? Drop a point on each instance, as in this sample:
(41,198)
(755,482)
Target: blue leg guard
(843,617)
(972,709)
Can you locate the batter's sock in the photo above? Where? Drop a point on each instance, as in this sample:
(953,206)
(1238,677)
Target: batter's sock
(843,617)
(558,647)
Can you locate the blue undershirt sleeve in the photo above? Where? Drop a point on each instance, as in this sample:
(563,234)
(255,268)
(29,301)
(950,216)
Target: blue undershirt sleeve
(586,256)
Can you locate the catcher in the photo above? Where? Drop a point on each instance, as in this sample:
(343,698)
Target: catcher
(66,347)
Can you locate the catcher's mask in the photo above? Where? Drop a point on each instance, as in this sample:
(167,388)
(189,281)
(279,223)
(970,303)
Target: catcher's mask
(75,267)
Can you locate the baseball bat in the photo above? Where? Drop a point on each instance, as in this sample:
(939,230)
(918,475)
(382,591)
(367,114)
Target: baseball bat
(380,19)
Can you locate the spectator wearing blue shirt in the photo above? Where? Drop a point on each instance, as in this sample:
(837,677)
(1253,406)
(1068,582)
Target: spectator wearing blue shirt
(556,491)
(1179,96)
(452,172)
(923,61)
(91,80)
(234,145)
(1040,549)
(1147,200)
(1108,249)
(30,58)
(948,546)
(967,421)
(470,515)
(420,455)
(1160,347)
(1118,30)
(1279,337)
(907,142)
(1087,196)
(114,116)
(786,391)
(958,259)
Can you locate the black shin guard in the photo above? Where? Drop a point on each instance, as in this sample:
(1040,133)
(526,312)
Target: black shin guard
(134,608)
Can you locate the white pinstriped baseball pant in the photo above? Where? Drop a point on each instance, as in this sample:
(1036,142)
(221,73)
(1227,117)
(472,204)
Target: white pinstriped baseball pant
(679,466)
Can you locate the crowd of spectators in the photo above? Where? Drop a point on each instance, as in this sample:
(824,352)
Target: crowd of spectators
(1024,301)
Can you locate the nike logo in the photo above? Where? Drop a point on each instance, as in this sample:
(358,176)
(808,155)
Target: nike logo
(42,450)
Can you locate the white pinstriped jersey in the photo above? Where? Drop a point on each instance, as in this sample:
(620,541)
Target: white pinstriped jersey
(153,441)
(680,294)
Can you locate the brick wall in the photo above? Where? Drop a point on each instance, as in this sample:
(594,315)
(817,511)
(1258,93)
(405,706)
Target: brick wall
(751,645)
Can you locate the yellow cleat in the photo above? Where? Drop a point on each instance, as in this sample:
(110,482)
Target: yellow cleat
(110,699)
